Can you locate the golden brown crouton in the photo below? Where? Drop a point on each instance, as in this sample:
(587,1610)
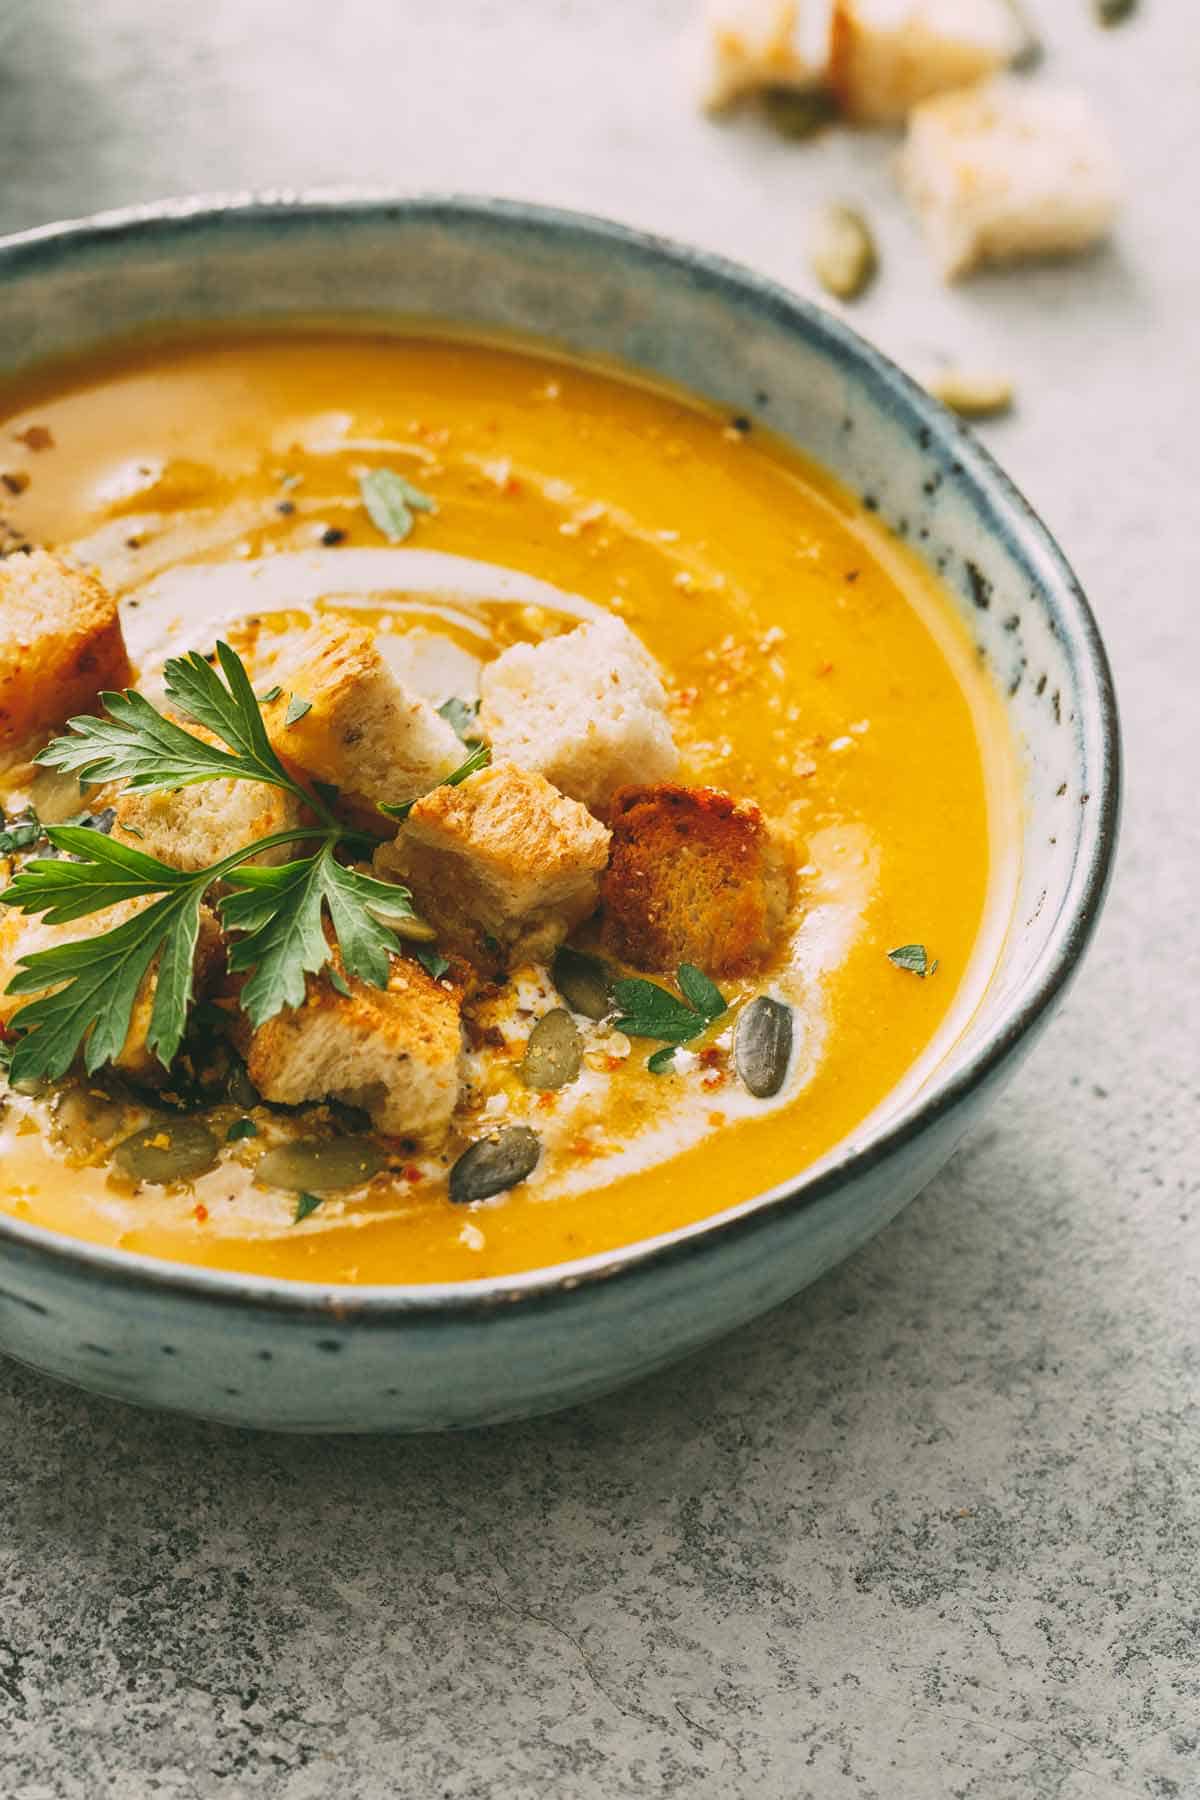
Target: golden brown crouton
(503,865)
(587,710)
(393,1052)
(60,647)
(21,937)
(194,827)
(694,876)
(889,55)
(362,732)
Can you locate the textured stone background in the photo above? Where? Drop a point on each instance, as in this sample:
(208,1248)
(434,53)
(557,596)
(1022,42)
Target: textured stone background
(930,1530)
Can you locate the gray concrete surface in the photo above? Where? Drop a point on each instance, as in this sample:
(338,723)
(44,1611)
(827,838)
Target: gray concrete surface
(930,1530)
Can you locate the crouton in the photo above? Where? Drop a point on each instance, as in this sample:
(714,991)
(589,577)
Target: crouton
(888,55)
(22,936)
(503,865)
(745,45)
(191,828)
(394,1052)
(694,876)
(362,732)
(1008,171)
(586,710)
(60,647)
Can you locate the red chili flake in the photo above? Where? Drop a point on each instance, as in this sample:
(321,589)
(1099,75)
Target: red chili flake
(713,1058)
(412,1173)
(200,1212)
(36,437)
(825,668)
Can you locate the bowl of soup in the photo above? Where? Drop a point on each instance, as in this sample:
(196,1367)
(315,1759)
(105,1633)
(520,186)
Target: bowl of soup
(545,786)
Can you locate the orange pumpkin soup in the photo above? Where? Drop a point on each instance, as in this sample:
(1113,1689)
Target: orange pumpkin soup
(437,505)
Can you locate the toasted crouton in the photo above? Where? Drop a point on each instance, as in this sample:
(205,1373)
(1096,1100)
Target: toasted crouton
(395,1052)
(191,828)
(1007,171)
(693,877)
(362,732)
(889,55)
(503,865)
(745,45)
(60,647)
(586,710)
(21,936)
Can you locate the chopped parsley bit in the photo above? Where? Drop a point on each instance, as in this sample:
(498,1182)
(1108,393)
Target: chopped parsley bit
(306,1204)
(297,708)
(390,501)
(241,1128)
(479,758)
(270,695)
(914,958)
(650,1011)
(461,714)
(339,984)
(662,1060)
(432,963)
(22,834)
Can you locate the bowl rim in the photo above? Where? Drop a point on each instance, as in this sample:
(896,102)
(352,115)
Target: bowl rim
(1011,512)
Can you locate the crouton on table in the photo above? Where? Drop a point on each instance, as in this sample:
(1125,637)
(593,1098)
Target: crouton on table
(694,876)
(22,936)
(362,732)
(586,710)
(504,865)
(1008,170)
(394,1052)
(744,45)
(888,55)
(60,647)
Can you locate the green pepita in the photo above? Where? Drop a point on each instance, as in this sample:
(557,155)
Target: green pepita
(171,1150)
(554,1054)
(762,1046)
(320,1165)
(842,251)
(584,982)
(492,1165)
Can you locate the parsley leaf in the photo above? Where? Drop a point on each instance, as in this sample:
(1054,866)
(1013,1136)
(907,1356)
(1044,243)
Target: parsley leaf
(391,501)
(306,1204)
(914,958)
(432,963)
(479,758)
(298,708)
(241,1128)
(662,1060)
(282,912)
(461,714)
(650,1011)
(88,988)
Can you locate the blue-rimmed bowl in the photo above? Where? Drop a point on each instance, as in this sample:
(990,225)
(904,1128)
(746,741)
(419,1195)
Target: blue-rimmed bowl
(295,1356)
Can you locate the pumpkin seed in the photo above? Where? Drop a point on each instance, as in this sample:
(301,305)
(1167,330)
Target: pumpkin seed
(494,1164)
(1113,12)
(972,393)
(320,1165)
(762,1045)
(799,113)
(554,1054)
(171,1150)
(584,982)
(842,251)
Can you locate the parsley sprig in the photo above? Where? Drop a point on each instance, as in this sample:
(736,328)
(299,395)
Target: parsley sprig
(89,988)
(650,1011)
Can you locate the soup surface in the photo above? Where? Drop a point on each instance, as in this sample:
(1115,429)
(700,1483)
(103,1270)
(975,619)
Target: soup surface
(811,668)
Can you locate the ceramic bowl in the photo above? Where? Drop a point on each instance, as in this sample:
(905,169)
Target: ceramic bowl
(302,1357)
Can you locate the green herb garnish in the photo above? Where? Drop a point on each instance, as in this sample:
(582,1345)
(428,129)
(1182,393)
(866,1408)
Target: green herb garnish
(914,958)
(306,1204)
(461,714)
(22,834)
(479,758)
(298,708)
(279,913)
(650,1011)
(272,693)
(391,502)
(241,1128)
(432,963)
(662,1060)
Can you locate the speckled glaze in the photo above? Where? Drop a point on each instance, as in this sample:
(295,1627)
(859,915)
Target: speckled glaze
(301,1357)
